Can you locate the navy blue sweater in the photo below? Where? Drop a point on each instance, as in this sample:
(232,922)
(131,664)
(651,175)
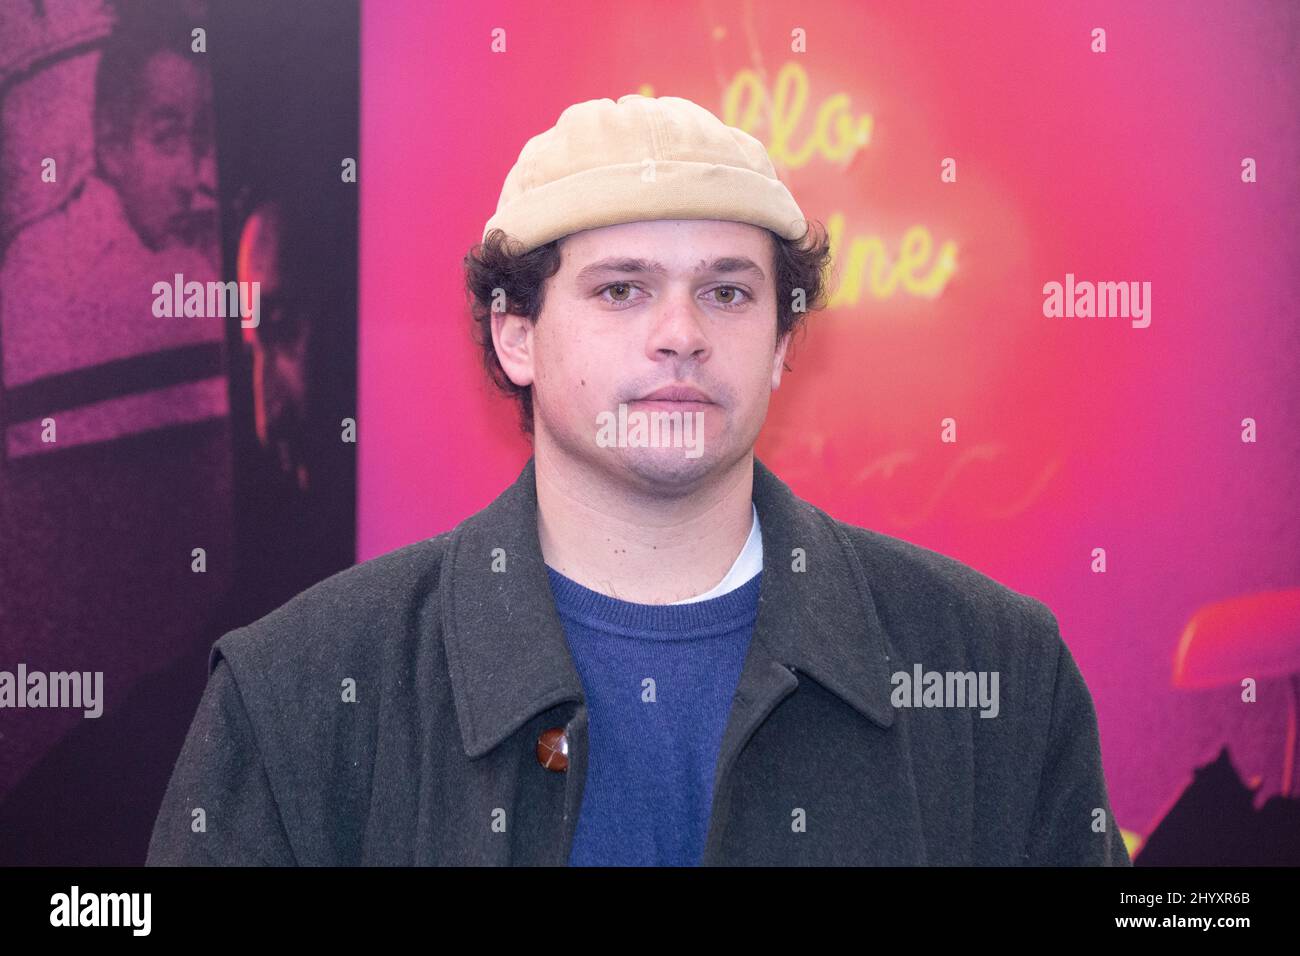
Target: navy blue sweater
(659,681)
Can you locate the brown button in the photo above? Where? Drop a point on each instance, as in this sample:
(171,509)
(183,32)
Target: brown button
(553,749)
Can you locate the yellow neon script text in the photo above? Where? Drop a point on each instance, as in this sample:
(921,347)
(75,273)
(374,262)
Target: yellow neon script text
(917,269)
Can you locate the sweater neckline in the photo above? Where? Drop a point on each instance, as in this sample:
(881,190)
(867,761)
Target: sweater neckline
(580,604)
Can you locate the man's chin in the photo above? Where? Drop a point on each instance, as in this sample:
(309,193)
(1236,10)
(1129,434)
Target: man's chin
(667,468)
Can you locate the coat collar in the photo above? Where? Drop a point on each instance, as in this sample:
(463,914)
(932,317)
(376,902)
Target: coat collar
(509,659)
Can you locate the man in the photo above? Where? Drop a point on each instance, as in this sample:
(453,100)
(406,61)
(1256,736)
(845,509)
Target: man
(286,510)
(117,454)
(76,291)
(644,652)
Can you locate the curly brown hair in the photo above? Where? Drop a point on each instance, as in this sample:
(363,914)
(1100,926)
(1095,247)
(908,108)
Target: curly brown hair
(492,265)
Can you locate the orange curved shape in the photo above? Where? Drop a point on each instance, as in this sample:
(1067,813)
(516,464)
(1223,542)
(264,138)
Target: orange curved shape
(1252,635)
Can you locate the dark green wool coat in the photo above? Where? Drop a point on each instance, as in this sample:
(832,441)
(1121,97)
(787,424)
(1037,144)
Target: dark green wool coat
(458,668)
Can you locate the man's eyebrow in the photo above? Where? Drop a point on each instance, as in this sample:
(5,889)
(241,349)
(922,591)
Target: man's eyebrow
(730,265)
(724,265)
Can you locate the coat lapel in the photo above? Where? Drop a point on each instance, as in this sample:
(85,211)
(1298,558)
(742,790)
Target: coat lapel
(817,617)
(506,648)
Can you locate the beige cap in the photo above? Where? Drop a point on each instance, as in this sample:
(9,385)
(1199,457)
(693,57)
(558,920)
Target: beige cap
(605,163)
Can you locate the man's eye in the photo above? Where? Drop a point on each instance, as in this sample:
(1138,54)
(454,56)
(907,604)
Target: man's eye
(620,291)
(730,295)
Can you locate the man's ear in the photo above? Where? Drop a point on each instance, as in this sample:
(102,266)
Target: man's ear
(512,337)
(778,359)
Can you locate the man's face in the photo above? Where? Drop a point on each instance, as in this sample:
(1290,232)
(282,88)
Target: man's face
(163,166)
(639,306)
(279,345)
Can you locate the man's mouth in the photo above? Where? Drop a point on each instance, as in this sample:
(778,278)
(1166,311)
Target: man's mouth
(676,397)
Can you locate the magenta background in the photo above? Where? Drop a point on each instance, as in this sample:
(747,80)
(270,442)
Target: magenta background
(1073,433)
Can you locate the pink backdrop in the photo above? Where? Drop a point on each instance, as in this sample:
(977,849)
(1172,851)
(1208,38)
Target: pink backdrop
(1073,433)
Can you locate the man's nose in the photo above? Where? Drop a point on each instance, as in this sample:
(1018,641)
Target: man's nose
(202,184)
(679,327)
